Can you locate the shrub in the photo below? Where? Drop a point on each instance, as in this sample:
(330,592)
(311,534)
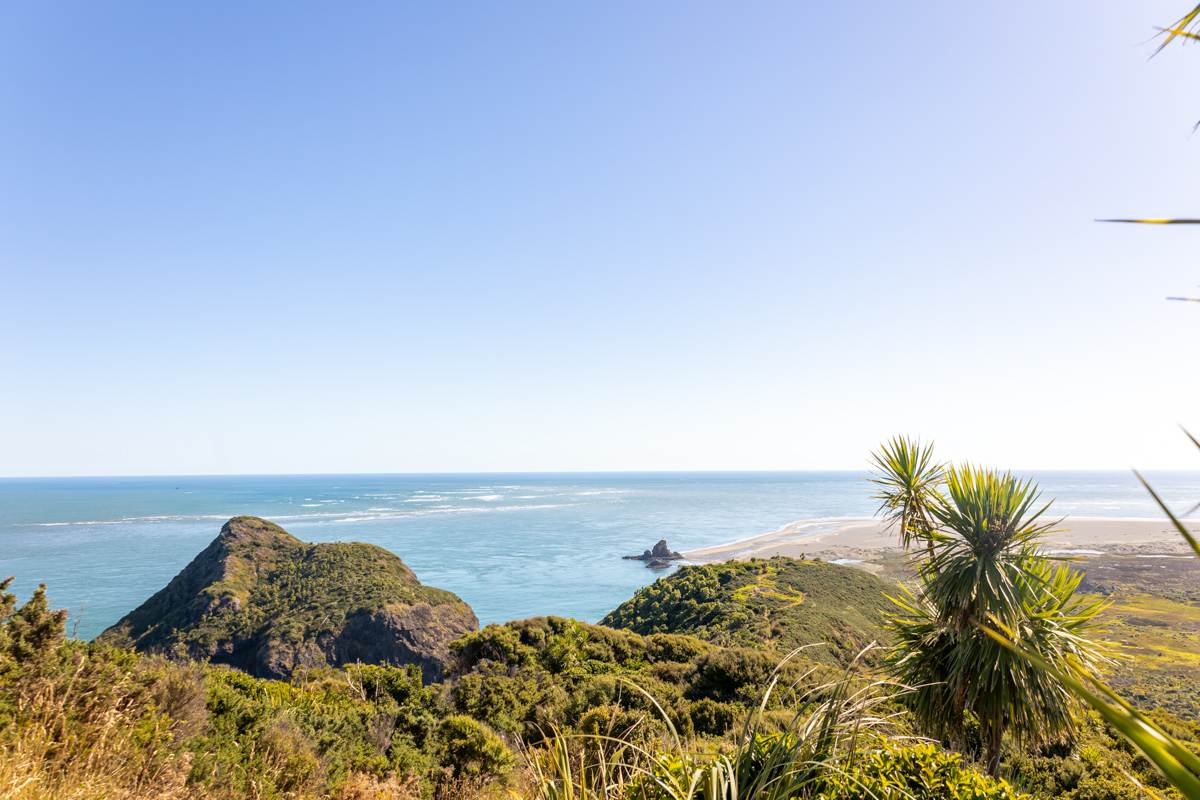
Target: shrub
(912,772)
(710,718)
(472,750)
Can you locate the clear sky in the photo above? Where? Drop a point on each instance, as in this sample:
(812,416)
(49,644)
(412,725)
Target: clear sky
(383,237)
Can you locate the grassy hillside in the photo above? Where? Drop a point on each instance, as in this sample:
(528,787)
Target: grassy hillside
(778,604)
(1155,619)
(1160,652)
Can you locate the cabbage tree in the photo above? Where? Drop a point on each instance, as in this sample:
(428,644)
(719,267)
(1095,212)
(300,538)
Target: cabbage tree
(984,564)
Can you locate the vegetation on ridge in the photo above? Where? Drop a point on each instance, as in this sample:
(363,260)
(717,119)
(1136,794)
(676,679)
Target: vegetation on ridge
(127,725)
(778,604)
(92,721)
(259,599)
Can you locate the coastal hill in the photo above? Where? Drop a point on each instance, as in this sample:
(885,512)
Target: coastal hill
(778,603)
(141,727)
(261,600)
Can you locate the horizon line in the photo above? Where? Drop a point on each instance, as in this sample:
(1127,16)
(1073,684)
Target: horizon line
(435,473)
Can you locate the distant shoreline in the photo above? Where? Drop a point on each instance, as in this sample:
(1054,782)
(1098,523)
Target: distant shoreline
(856,536)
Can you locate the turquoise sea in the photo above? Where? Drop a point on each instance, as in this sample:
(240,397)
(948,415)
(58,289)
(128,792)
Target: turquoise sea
(511,545)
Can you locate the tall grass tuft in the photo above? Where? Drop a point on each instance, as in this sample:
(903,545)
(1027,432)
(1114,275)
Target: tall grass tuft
(798,756)
(75,726)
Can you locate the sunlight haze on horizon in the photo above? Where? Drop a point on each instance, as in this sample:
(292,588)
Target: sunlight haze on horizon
(308,238)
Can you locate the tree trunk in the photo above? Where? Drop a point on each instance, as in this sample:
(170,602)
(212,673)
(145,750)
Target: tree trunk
(993,738)
(960,713)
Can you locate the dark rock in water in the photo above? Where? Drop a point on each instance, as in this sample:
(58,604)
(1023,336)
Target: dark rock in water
(660,557)
(261,600)
(662,551)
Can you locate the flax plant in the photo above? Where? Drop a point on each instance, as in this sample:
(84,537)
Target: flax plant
(822,737)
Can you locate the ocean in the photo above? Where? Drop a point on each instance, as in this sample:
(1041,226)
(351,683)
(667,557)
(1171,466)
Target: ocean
(511,545)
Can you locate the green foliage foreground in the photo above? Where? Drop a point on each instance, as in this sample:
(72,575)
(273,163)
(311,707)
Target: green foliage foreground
(93,721)
(834,745)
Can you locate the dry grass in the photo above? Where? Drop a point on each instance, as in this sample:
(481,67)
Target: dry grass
(81,727)
(82,730)
(32,769)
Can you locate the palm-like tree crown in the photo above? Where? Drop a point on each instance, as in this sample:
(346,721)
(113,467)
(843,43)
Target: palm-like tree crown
(907,480)
(989,530)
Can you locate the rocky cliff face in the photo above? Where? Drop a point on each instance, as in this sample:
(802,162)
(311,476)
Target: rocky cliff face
(261,600)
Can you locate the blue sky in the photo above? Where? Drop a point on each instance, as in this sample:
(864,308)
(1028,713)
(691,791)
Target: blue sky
(374,237)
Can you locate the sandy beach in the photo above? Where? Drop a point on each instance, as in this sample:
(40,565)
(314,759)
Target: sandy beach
(860,538)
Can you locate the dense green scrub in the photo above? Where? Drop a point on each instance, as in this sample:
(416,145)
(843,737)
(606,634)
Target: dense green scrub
(1097,765)
(95,721)
(92,721)
(778,604)
(524,677)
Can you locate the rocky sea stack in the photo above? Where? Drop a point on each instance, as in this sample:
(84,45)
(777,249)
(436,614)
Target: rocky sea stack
(659,557)
(259,599)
